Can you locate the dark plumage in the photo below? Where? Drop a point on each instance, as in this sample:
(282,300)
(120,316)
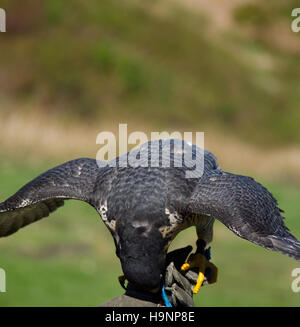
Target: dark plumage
(145,207)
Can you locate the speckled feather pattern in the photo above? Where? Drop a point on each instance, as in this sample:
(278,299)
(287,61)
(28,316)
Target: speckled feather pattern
(145,207)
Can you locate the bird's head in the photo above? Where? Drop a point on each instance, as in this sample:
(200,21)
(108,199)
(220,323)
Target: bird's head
(144,274)
(142,254)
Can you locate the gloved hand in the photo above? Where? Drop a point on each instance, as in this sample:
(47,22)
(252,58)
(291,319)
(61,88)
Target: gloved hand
(179,285)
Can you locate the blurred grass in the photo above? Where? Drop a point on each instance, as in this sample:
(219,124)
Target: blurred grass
(156,66)
(68,259)
(134,59)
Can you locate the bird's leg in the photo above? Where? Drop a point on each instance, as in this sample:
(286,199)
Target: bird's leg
(200,259)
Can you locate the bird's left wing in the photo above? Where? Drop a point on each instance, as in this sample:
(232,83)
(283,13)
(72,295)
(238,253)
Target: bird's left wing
(247,208)
(72,180)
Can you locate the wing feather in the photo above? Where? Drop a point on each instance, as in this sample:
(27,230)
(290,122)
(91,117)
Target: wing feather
(72,180)
(247,208)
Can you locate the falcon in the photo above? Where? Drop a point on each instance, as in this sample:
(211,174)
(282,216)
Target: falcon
(145,206)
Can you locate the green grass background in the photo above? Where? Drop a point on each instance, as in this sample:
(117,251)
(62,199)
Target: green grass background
(158,66)
(68,258)
(156,62)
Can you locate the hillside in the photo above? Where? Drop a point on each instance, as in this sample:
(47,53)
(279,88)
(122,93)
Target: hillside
(157,62)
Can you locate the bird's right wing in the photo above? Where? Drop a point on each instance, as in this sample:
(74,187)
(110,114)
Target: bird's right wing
(72,180)
(247,208)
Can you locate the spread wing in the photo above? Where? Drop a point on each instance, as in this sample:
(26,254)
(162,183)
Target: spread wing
(246,208)
(72,180)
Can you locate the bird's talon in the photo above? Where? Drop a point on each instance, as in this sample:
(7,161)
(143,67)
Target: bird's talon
(199,283)
(185,266)
(198,260)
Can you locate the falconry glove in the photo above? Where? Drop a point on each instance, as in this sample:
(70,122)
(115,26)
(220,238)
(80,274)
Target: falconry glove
(180,284)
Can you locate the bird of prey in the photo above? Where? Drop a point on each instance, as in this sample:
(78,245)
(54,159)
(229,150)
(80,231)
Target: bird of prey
(145,206)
